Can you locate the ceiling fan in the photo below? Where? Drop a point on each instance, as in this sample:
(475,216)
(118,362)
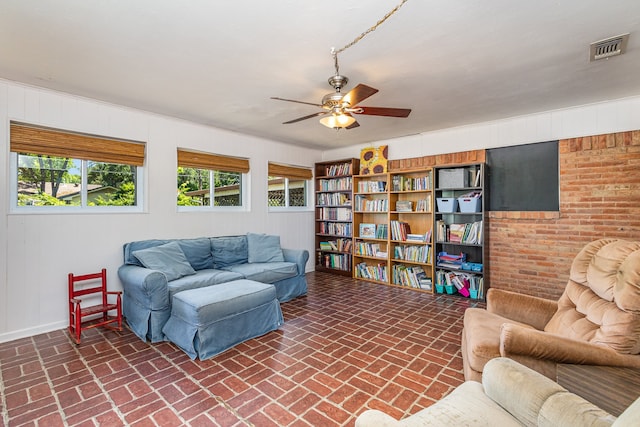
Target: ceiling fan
(338,108)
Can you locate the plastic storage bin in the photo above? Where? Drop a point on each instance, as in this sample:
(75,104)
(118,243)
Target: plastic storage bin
(453,178)
(470,204)
(449,204)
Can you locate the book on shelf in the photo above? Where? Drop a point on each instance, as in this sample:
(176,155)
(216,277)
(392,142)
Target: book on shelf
(335,228)
(373,272)
(456,232)
(364,204)
(424,205)
(404,206)
(413,253)
(382,231)
(372,187)
(338,245)
(368,230)
(404,183)
(399,230)
(337,261)
(339,169)
(414,277)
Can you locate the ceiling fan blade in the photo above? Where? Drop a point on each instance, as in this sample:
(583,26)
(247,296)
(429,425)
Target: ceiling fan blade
(358,94)
(353,125)
(381,111)
(293,100)
(299,119)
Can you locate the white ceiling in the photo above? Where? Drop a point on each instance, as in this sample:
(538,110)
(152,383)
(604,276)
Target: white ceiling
(453,62)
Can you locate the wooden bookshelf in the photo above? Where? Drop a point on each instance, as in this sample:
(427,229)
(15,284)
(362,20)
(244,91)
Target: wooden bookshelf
(334,215)
(383,252)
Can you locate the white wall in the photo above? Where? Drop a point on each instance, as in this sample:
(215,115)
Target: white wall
(594,119)
(39,250)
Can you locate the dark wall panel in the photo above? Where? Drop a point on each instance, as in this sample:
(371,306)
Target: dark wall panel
(524,177)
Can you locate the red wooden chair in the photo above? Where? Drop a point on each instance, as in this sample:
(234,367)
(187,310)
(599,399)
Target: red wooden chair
(86,317)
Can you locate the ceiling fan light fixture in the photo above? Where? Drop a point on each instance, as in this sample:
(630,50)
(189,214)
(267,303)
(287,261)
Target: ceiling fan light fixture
(338,121)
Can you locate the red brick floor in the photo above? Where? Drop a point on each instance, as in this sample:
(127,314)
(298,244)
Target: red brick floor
(345,347)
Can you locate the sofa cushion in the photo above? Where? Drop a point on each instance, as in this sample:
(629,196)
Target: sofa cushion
(602,299)
(264,248)
(584,316)
(198,252)
(229,250)
(201,279)
(130,248)
(268,272)
(167,259)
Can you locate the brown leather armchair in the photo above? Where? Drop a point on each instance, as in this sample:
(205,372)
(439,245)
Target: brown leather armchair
(596,321)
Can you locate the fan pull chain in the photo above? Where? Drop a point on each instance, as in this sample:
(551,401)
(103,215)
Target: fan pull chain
(335,52)
(361,36)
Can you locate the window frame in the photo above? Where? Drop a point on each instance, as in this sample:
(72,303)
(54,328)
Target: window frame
(200,160)
(80,144)
(295,173)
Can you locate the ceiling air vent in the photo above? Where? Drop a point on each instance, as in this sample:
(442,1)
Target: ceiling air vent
(613,46)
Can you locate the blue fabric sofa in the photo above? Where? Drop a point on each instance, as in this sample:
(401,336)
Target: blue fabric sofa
(155,270)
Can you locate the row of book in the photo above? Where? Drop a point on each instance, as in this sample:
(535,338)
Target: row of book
(373,231)
(369,249)
(338,169)
(338,245)
(336,261)
(336,214)
(423,205)
(404,183)
(336,228)
(373,272)
(363,204)
(372,187)
(401,230)
(413,277)
(468,285)
(469,233)
(333,199)
(336,184)
(413,253)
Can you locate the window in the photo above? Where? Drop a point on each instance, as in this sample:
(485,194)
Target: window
(211,180)
(54,170)
(288,186)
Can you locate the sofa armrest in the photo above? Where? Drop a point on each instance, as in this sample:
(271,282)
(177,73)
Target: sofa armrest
(148,287)
(297,256)
(522,308)
(503,380)
(518,341)
(530,397)
(377,418)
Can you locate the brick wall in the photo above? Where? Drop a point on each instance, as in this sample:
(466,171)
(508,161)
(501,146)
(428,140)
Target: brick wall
(531,252)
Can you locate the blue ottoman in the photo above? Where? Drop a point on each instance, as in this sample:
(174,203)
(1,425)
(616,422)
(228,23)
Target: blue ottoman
(207,321)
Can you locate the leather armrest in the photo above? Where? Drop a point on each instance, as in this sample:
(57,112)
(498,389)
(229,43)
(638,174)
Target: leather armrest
(522,308)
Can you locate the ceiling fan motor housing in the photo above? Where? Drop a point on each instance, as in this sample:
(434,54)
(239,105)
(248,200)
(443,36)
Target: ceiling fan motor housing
(338,82)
